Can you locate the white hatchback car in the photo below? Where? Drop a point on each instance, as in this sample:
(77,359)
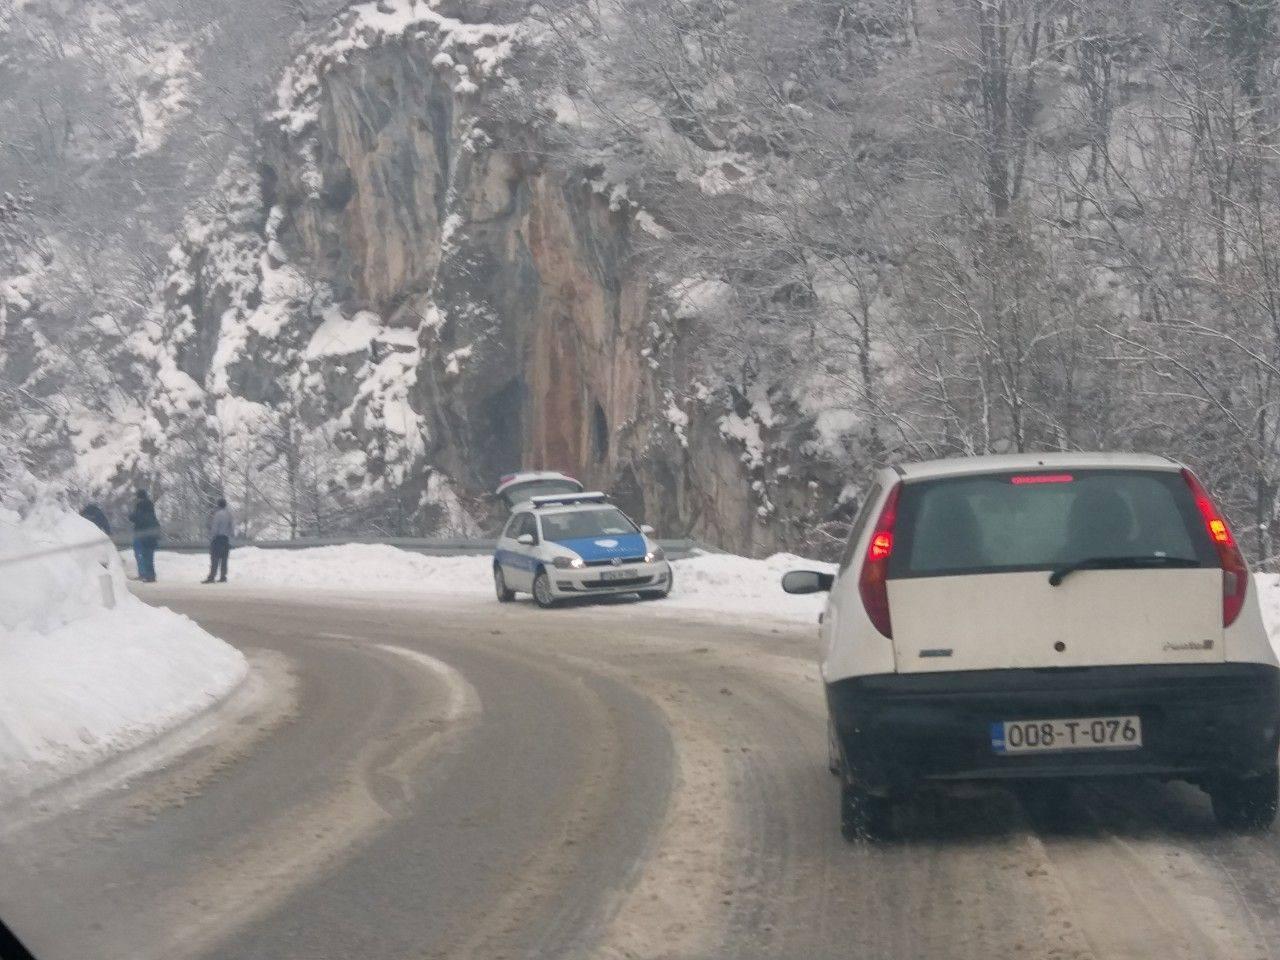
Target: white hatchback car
(1039,617)
(561,546)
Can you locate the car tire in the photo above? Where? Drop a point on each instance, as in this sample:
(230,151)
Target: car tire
(542,594)
(863,815)
(505,595)
(1247,804)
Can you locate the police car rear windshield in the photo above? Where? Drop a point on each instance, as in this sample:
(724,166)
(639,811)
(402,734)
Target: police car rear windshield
(580,524)
(1007,522)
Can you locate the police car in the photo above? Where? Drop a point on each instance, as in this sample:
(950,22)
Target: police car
(560,546)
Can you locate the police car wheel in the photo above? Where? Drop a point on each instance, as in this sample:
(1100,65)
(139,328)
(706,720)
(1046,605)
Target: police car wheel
(542,591)
(500,586)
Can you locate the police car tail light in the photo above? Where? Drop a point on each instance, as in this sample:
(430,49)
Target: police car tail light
(1235,575)
(873,581)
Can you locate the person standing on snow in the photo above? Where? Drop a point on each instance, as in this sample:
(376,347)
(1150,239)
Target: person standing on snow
(221,529)
(146,535)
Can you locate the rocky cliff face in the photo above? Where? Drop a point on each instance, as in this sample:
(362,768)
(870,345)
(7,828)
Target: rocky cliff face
(407,267)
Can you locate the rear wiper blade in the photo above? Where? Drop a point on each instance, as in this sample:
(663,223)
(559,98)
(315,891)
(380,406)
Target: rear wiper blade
(1120,563)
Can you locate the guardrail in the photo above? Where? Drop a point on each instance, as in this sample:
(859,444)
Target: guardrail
(432,547)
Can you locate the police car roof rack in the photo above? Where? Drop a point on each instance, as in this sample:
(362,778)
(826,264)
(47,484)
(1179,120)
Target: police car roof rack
(567,499)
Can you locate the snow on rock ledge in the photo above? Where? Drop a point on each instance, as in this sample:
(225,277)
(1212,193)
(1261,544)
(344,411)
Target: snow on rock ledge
(86,669)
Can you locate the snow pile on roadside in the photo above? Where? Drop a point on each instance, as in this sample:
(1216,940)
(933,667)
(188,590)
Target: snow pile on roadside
(87,670)
(1268,585)
(717,583)
(741,587)
(352,566)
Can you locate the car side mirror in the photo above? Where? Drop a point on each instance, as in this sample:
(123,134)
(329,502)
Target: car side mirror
(807,581)
(646,530)
(525,539)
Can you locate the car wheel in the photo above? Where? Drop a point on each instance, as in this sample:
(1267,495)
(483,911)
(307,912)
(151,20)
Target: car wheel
(863,816)
(542,591)
(833,751)
(659,594)
(500,586)
(1246,803)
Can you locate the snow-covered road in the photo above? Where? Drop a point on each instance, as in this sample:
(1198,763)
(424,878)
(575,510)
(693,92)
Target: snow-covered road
(467,779)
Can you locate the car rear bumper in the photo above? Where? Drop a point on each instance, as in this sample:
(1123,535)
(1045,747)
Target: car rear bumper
(1199,722)
(588,582)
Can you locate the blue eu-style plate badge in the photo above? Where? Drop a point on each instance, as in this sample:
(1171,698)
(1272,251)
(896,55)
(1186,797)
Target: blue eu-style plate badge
(997,737)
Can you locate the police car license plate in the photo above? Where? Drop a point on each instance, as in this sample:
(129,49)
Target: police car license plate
(615,574)
(1076,733)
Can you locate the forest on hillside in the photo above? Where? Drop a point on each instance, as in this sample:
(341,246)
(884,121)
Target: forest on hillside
(981,225)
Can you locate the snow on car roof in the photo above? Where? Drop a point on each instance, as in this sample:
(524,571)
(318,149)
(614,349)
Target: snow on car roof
(960,466)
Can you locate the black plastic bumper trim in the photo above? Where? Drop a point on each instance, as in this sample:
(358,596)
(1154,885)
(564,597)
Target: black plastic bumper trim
(1200,721)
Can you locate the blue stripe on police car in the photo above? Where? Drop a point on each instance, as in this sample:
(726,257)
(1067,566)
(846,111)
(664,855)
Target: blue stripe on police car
(509,558)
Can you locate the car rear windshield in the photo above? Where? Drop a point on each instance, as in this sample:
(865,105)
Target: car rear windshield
(581,524)
(1007,522)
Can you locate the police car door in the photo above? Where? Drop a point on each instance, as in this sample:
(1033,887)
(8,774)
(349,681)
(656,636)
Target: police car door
(502,557)
(519,559)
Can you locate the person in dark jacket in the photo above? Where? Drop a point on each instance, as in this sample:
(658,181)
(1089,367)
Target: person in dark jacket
(146,535)
(221,529)
(93,513)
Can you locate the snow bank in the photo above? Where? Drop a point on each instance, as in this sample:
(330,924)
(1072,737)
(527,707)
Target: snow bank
(354,566)
(1268,585)
(716,583)
(86,669)
(742,588)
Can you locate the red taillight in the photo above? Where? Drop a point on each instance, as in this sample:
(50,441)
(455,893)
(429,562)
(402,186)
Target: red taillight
(1027,478)
(1235,575)
(881,546)
(872,582)
(506,479)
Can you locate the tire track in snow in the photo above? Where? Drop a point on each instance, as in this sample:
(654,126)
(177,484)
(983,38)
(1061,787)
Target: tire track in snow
(260,871)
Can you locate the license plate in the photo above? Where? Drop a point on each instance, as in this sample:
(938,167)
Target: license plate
(615,574)
(1076,733)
